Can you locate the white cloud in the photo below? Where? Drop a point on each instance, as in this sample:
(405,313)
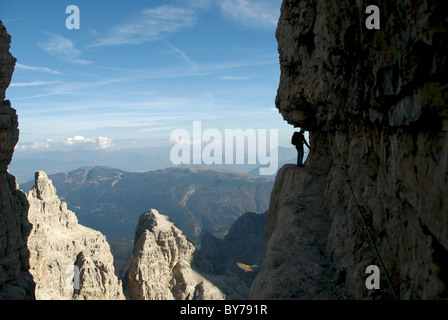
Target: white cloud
(71,143)
(20,66)
(38,145)
(149,25)
(78,139)
(30,84)
(63,48)
(181,141)
(253,13)
(104,143)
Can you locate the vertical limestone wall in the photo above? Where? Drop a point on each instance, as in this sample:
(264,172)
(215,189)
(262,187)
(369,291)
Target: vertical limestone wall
(375,100)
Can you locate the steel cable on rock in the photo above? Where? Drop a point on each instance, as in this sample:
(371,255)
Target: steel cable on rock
(372,242)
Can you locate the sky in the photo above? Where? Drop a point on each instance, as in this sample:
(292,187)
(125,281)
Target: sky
(136,70)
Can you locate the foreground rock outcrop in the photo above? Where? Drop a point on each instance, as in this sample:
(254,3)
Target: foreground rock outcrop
(164,266)
(15,280)
(60,247)
(375,100)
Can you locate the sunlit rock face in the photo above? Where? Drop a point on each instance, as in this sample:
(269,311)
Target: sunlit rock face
(61,249)
(165,266)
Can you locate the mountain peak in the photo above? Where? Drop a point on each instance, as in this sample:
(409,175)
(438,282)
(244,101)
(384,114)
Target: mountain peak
(57,243)
(160,267)
(43,187)
(151,220)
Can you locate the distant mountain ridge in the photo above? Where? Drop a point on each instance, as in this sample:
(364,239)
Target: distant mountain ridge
(26,163)
(195,198)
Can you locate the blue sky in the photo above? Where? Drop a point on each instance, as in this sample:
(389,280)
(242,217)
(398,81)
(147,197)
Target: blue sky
(136,70)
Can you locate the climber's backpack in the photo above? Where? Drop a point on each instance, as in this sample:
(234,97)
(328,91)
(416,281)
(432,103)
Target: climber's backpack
(296,138)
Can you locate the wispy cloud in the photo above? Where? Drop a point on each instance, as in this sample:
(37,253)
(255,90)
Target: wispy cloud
(79,88)
(192,66)
(149,25)
(252,13)
(181,53)
(63,48)
(11,20)
(120,76)
(31,84)
(234,78)
(37,69)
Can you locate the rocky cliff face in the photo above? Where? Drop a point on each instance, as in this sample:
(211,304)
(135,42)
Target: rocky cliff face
(15,280)
(295,265)
(68,261)
(375,100)
(164,266)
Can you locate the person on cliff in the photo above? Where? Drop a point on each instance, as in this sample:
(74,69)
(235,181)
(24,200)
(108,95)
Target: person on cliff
(298,139)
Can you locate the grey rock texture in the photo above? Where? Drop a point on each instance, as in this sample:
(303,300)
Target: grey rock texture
(57,243)
(375,100)
(164,266)
(295,265)
(15,280)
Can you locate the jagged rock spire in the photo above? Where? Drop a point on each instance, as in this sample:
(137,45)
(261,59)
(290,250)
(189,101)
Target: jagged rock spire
(61,248)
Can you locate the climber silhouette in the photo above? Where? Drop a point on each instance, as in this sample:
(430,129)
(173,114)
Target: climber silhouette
(298,139)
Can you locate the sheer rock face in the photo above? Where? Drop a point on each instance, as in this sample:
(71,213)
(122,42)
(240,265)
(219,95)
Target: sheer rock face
(164,266)
(295,265)
(375,100)
(60,248)
(15,280)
